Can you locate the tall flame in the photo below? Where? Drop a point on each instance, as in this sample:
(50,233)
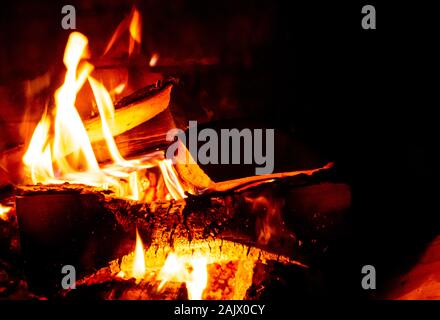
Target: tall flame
(139,259)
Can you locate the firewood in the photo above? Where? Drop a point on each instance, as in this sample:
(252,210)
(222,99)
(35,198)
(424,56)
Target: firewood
(72,219)
(133,110)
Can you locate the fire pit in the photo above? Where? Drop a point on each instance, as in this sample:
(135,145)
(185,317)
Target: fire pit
(95,188)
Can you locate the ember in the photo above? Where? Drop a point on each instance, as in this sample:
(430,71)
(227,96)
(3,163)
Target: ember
(4,211)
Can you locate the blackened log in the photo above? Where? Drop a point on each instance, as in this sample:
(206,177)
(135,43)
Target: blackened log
(65,227)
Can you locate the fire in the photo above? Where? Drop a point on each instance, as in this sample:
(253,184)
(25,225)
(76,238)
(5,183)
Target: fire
(4,211)
(46,154)
(60,149)
(215,269)
(188,269)
(139,258)
(154,59)
(132,24)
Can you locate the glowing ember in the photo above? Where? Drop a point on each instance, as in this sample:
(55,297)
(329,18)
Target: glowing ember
(188,269)
(214,269)
(153,60)
(4,211)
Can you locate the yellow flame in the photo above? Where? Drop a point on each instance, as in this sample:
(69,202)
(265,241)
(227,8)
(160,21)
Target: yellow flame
(4,211)
(139,259)
(191,270)
(198,278)
(106,111)
(68,126)
(38,158)
(60,149)
(135,30)
(171,180)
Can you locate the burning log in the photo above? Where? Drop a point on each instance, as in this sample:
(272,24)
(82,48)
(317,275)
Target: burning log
(133,110)
(233,272)
(87,227)
(130,112)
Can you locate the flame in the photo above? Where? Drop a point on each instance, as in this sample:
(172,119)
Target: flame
(135,29)
(38,158)
(4,211)
(133,24)
(154,59)
(106,111)
(191,270)
(60,149)
(45,150)
(139,258)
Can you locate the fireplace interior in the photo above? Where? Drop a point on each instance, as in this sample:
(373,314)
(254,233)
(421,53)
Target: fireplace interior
(86,182)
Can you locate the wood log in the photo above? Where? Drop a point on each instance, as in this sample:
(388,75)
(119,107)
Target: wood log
(84,226)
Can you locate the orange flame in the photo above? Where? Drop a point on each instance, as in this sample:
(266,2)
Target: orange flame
(133,24)
(60,149)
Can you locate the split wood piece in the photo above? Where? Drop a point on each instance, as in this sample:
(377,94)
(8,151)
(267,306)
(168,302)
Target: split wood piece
(230,269)
(131,111)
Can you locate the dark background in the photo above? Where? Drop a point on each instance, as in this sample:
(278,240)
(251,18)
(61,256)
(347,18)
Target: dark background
(357,97)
